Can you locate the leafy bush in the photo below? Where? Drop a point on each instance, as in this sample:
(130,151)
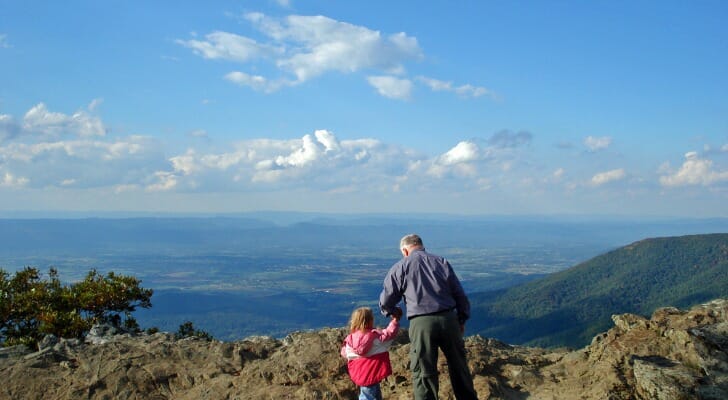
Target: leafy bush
(188,330)
(32,307)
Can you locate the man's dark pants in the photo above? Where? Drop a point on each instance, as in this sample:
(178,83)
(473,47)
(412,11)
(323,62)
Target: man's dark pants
(428,333)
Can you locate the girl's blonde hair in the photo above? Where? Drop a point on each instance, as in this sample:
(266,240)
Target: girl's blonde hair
(362,319)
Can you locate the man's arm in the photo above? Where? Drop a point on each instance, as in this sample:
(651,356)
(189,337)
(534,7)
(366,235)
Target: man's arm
(458,293)
(391,294)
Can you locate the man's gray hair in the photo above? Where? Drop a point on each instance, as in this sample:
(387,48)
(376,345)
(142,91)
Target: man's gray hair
(410,240)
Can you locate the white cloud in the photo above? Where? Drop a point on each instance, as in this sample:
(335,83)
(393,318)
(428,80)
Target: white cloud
(166,181)
(284,3)
(317,159)
(257,82)
(306,47)
(317,162)
(229,46)
(694,171)
(42,121)
(466,90)
(608,176)
(389,86)
(459,161)
(320,44)
(4,41)
(95,103)
(327,139)
(309,152)
(463,152)
(10,180)
(559,173)
(34,154)
(199,133)
(724,148)
(594,143)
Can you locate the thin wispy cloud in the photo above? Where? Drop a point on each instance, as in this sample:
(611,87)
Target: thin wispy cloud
(466,90)
(392,87)
(508,139)
(231,47)
(594,143)
(603,178)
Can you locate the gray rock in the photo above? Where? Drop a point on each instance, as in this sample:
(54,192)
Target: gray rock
(673,355)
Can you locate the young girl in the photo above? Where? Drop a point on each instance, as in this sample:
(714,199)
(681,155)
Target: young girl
(366,350)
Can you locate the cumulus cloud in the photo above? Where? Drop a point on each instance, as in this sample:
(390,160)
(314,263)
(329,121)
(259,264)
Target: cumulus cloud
(321,44)
(594,143)
(40,120)
(458,161)
(85,163)
(694,171)
(608,176)
(461,153)
(50,148)
(305,47)
(315,160)
(392,87)
(466,90)
(37,154)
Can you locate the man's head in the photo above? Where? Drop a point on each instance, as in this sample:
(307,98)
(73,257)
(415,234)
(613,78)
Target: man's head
(409,242)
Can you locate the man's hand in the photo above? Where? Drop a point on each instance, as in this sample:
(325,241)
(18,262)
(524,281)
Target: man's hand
(396,314)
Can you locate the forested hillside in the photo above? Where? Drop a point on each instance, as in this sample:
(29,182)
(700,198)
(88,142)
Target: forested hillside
(569,307)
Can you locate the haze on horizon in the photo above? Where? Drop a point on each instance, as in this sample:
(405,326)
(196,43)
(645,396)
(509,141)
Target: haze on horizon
(490,108)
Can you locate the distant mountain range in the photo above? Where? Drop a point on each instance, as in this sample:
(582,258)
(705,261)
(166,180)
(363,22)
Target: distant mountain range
(571,306)
(272,231)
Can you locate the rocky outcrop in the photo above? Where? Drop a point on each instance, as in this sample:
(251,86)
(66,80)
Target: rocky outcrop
(673,355)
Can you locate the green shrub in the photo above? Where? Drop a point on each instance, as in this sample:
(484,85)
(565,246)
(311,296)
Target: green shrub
(188,330)
(32,307)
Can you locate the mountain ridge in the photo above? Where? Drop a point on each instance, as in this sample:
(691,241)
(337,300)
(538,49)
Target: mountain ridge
(570,306)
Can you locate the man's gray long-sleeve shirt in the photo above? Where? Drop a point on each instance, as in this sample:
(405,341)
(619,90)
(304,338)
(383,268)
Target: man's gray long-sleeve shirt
(428,285)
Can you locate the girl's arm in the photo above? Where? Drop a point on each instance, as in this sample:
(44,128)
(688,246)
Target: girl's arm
(390,331)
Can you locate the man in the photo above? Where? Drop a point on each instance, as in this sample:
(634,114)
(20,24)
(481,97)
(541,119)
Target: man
(437,309)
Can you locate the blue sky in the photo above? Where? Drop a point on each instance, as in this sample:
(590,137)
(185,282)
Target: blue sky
(568,107)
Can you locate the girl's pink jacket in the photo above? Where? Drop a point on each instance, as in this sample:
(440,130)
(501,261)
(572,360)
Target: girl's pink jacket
(370,364)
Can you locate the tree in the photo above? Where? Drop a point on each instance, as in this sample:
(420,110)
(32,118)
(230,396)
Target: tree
(32,307)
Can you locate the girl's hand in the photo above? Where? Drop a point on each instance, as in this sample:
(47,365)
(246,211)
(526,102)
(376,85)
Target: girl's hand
(397,313)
